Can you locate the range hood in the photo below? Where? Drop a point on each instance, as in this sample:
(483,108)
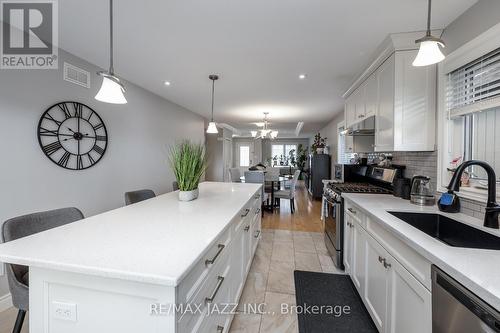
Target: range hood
(363,128)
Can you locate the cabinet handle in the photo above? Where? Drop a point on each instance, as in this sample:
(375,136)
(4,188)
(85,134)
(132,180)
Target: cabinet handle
(257,211)
(352,210)
(257,196)
(386,265)
(220,329)
(211,261)
(257,234)
(245,213)
(217,287)
(380,259)
(247,228)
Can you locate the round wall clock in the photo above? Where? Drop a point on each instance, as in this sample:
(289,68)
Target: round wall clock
(72,135)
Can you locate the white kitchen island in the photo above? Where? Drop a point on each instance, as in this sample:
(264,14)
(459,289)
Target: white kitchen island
(121,271)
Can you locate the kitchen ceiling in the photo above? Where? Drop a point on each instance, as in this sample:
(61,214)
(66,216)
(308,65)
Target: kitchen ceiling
(259,49)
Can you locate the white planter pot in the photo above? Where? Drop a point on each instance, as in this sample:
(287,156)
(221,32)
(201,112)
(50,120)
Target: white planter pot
(188,195)
(320,150)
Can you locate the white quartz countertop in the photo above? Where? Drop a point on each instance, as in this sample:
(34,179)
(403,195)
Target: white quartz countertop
(155,241)
(476,269)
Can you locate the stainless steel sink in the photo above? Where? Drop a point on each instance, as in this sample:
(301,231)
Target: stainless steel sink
(449,231)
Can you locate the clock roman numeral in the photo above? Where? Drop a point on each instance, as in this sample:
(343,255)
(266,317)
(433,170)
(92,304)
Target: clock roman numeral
(51,148)
(78,109)
(98,149)
(47,132)
(98,126)
(79,162)
(91,160)
(49,117)
(100,138)
(64,108)
(63,161)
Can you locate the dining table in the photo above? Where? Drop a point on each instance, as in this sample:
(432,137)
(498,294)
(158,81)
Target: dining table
(274,181)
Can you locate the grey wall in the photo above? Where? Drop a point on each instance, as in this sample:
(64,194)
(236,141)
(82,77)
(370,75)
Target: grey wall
(139,135)
(473,22)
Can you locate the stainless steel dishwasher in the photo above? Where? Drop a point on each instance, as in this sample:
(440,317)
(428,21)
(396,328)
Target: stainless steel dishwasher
(457,310)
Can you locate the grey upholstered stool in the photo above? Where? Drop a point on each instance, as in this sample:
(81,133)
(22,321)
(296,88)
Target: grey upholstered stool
(22,226)
(138,196)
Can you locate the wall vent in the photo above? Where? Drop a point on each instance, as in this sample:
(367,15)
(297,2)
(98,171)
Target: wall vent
(76,75)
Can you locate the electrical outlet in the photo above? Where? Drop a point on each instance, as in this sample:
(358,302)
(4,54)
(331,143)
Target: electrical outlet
(64,311)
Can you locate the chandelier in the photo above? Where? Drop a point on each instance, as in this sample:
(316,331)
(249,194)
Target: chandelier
(266,132)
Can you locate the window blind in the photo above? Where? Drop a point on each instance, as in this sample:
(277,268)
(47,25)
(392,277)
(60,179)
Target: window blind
(475,86)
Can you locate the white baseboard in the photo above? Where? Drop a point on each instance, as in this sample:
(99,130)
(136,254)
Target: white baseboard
(5,302)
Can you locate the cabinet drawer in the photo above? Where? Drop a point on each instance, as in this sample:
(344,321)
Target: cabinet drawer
(355,213)
(192,282)
(245,216)
(417,265)
(216,287)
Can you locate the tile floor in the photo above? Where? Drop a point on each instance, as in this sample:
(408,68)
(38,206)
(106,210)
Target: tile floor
(270,280)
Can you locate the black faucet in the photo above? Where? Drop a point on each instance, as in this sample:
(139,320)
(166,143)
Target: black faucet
(492,208)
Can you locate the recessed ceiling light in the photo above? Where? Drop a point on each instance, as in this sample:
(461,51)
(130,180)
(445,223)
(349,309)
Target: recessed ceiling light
(302,76)
(167,83)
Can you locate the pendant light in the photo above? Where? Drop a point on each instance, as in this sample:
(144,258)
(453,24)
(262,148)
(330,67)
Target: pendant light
(429,52)
(212,127)
(111,89)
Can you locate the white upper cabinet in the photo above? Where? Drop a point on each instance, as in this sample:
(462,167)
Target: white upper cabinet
(371,96)
(414,104)
(400,96)
(350,111)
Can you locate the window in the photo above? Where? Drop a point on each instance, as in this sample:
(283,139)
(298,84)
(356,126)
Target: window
(342,156)
(473,113)
(281,154)
(244,156)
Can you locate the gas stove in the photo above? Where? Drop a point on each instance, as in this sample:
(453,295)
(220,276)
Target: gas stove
(357,188)
(355,179)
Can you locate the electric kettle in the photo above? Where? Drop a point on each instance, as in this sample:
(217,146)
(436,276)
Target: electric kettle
(421,192)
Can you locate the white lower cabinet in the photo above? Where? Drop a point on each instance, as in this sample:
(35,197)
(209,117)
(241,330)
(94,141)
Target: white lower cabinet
(358,255)
(396,300)
(377,283)
(409,302)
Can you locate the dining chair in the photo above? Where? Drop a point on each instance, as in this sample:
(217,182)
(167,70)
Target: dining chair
(257,177)
(138,196)
(235,175)
(289,193)
(22,226)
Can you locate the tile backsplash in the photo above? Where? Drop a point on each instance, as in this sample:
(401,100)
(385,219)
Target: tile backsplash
(418,163)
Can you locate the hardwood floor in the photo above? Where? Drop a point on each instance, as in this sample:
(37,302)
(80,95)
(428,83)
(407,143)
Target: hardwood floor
(8,318)
(307,215)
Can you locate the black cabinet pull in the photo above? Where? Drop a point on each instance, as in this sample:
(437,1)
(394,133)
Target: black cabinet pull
(211,261)
(245,213)
(217,287)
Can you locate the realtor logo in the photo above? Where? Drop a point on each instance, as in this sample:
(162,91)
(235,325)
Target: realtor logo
(29,35)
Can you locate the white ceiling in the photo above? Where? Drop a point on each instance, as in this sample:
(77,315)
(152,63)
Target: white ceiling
(258,47)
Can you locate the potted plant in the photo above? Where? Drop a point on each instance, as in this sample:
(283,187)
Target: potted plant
(189,162)
(301,158)
(318,146)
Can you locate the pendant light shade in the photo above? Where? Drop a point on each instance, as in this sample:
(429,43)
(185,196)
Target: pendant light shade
(112,90)
(212,126)
(429,52)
